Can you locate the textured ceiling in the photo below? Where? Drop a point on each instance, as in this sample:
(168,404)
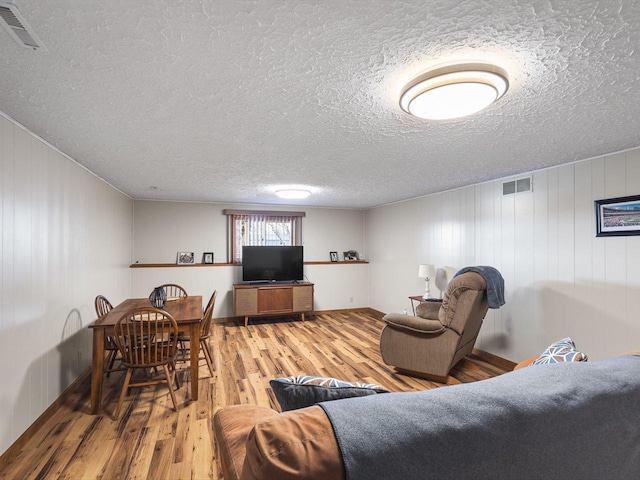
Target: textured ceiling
(223,100)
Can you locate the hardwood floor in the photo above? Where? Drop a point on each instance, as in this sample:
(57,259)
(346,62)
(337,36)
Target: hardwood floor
(151,440)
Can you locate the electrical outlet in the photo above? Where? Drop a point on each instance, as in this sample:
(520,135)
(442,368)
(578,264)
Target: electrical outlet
(350,299)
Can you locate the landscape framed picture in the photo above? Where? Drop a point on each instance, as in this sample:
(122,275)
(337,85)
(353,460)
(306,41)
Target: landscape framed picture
(618,216)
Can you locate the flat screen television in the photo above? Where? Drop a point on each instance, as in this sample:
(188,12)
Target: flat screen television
(272,264)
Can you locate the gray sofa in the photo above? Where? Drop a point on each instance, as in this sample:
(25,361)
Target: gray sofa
(564,421)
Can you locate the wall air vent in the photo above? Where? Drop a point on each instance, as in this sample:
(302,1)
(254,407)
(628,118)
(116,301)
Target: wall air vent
(15,24)
(518,185)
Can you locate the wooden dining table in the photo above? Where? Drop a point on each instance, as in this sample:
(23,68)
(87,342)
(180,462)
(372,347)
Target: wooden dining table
(187,312)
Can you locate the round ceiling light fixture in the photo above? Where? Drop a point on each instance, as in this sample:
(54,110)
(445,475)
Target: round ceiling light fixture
(293,193)
(454,91)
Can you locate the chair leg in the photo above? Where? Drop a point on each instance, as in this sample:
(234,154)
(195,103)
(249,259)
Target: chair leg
(170,377)
(182,349)
(207,355)
(111,360)
(107,361)
(125,387)
(173,367)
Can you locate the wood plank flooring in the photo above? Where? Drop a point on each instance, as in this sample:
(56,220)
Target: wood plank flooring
(151,440)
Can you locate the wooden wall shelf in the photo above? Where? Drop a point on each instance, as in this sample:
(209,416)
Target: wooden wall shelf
(335,263)
(164,265)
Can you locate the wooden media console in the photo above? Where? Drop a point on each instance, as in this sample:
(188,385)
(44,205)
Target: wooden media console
(264,299)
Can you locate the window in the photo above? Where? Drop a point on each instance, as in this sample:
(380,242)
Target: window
(247,227)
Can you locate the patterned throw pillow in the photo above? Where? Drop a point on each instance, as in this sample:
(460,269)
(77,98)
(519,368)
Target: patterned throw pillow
(304,390)
(561,351)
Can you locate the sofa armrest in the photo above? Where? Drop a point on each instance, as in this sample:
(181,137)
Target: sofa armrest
(294,445)
(415,324)
(526,363)
(231,427)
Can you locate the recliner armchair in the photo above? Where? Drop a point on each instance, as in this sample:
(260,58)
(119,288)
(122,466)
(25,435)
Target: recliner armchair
(441,334)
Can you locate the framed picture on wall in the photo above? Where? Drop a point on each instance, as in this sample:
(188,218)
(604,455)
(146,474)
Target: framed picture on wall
(333,256)
(186,258)
(618,216)
(207,257)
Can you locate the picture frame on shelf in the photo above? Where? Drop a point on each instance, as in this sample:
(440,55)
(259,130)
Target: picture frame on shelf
(207,258)
(333,256)
(618,216)
(350,256)
(186,258)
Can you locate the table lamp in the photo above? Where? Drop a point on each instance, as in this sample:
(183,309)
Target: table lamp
(427,272)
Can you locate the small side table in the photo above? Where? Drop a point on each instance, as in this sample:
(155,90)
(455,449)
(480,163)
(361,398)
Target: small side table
(416,298)
(420,299)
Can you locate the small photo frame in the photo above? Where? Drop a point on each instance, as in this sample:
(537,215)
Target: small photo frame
(350,256)
(186,258)
(207,257)
(618,216)
(333,256)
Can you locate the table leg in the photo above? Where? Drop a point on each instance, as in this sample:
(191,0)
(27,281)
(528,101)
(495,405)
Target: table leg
(194,345)
(96,370)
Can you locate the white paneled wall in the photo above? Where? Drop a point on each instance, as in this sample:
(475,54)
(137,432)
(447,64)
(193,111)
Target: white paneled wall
(65,236)
(560,279)
(202,227)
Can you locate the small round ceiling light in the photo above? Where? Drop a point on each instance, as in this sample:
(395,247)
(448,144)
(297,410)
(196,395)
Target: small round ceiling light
(454,91)
(293,193)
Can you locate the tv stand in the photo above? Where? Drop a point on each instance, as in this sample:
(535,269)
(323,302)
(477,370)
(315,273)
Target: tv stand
(269,299)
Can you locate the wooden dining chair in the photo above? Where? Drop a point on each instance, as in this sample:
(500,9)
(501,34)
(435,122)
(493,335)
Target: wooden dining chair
(103,306)
(172,290)
(205,334)
(147,338)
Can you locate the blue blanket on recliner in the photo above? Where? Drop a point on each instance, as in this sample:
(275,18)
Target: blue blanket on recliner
(574,420)
(495,283)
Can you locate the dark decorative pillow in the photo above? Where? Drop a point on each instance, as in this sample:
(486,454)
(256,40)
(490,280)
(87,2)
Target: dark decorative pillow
(561,351)
(304,390)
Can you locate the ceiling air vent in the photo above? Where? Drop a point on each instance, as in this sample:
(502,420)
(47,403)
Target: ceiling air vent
(518,185)
(14,23)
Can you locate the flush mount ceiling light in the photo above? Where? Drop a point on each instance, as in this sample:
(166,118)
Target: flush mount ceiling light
(293,193)
(454,91)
